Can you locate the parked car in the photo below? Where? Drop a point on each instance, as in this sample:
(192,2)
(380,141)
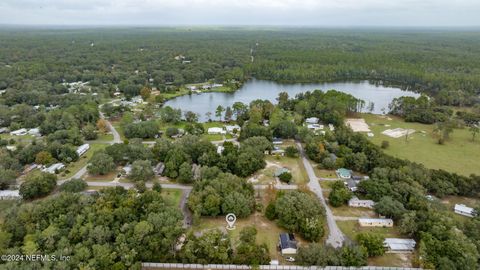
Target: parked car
(289,259)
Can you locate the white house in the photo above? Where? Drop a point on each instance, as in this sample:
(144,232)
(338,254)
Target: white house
(11,148)
(19,132)
(10,195)
(216,130)
(375,222)
(315,127)
(356,202)
(82,149)
(54,168)
(3,130)
(288,244)
(34,132)
(231,129)
(464,210)
(312,120)
(399,245)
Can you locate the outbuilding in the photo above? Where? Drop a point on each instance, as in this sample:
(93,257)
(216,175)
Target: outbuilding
(312,120)
(82,149)
(399,245)
(54,168)
(356,202)
(216,130)
(10,195)
(287,244)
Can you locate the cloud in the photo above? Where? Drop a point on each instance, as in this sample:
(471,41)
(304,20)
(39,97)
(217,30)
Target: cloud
(243,12)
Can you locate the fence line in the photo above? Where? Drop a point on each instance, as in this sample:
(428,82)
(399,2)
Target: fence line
(148,265)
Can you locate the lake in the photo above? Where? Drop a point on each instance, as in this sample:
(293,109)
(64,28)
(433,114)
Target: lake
(253,89)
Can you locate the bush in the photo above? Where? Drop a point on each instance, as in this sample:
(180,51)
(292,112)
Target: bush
(373,243)
(385,144)
(74,185)
(291,151)
(285,177)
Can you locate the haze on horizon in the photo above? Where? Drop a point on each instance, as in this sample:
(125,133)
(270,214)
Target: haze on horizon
(436,13)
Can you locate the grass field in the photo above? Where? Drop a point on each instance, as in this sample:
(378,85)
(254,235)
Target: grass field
(172,196)
(392,260)
(346,211)
(82,161)
(459,154)
(351,228)
(267,231)
(295,165)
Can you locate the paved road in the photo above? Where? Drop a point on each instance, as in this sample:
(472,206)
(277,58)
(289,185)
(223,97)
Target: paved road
(335,236)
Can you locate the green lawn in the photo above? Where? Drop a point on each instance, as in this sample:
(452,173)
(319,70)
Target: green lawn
(459,154)
(82,161)
(172,196)
(351,228)
(295,165)
(268,231)
(104,137)
(392,260)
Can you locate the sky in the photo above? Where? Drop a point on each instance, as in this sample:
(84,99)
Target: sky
(242,12)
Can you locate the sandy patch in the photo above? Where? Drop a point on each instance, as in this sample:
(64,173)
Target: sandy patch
(398,132)
(357,124)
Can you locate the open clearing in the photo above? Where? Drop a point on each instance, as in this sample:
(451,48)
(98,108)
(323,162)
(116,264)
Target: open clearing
(267,231)
(392,260)
(422,146)
(357,124)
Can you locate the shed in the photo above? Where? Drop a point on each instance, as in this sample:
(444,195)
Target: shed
(216,130)
(10,195)
(399,245)
(82,149)
(312,120)
(356,202)
(288,244)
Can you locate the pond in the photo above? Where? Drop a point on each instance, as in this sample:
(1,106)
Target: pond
(253,89)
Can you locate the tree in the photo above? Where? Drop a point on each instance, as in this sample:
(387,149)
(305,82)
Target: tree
(191,117)
(219,111)
(443,130)
(474,130)
(171,131)
(385,144)
(285,129)
(373,243)
(38,185)
(157,186)
(302,213)
(100,163)
(185,174)
(389,207)
(145,92)
(291,151)
(44,158)
(212,247)
(103,126)
(89,132)
(248,252)
(285,177)
(7,178)
(238,204)
(339,194)
(74,185)
(228,114)
(141,171)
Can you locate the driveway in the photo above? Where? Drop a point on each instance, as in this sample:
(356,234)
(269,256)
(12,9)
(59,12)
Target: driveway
(335,236)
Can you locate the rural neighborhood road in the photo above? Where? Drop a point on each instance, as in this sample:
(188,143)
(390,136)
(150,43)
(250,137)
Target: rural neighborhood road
(335,236)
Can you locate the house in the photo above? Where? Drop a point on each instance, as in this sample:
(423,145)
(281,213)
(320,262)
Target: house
(356,202)
(192,88)
(137,99)
(19,132)
(159,168)
(232,129)
(277,151)
(344,173)
(82,149)
(215,85)
(315,127)
(3,130)
(375,222)
(206,87)
(287,244)
(216,130)
(312,120)
(279,171)
(54,168)
(10,195)
(11,148)
(127,169)
(399,245)
(277,141)
(464,210)
(34,132)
